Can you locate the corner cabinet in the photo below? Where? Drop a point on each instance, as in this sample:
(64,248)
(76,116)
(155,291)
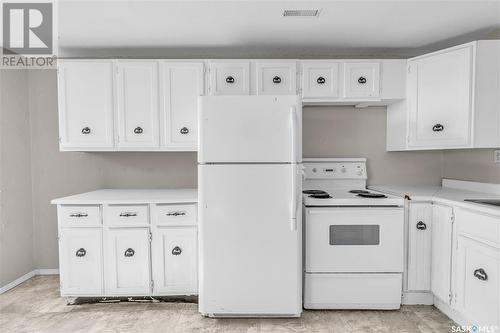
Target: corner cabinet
(141,247)
(452,100)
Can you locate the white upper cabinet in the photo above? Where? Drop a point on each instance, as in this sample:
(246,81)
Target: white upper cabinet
(137,104)
(85,104)
(361,79)
(320,79)
(452,100)
(276,77)
(180,85)
(439,99)
(229,77)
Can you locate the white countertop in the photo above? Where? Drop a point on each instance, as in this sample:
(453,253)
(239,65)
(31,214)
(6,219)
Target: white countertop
(129,196)
(444,195)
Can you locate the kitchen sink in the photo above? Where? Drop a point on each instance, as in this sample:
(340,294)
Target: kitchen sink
(493,202)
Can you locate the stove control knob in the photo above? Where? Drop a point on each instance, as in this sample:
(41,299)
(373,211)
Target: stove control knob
(343,170)
(360,173)
(314,170)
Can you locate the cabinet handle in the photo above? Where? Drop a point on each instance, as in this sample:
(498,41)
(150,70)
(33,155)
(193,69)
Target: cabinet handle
(230,79)
(361,80)
(138,130)
(129,252)
(437,128)
(176,213)
(78,215)
(421,225)
(128,214)
(86,130)
(176,251)
(321,80)
(276,79)
(184,130)
(481,274)
(81,252)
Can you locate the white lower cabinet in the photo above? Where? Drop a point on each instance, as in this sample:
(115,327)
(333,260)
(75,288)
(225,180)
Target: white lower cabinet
(80,260)
(419,246)
(127,261)
(144,257)
(175,260)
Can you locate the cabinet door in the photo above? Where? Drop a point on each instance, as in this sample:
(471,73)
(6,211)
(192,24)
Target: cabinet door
(419,246)
(361,79)
(137,104)
(85,91)
(229,78)
(441,251)
(477,287)
(80,261)
(320,79)
(439,99)
(276,77)
(175,263)
(127,268)
(180,85)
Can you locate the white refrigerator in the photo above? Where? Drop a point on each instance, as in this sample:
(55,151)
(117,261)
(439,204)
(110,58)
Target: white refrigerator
(249,183)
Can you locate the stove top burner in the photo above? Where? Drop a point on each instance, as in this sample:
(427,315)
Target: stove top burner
(372,195)
(320,196)
(358,191)
(313,192)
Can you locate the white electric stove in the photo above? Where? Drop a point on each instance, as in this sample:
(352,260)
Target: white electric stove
(353,238)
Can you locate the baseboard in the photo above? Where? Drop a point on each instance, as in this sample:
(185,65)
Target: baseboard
(17,282)
(448,311)
(417,298)
(27,276)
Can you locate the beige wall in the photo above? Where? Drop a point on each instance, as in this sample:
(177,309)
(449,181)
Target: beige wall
(16,227)
(349,132)
(475,165)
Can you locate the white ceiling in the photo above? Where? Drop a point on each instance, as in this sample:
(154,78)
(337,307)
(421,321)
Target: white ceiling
(257,28)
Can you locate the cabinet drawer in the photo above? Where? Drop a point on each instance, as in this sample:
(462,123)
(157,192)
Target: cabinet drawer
(126,215)
(78,215)
(175,260)
(478,225)
(230,78)
(276,78)
(80,260)
(361,79)
(183,214)
(320,79)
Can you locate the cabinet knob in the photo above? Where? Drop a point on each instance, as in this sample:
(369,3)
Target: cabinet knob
(176,213)
(481,274)
(321,80)
(81,252)
(86,130)
(78,215)
(184,130)
(138,130)
(437,128)
(128,214)
(276,79)
(421,225)
(129,252)
(229,79)
(176,251)
(361,80)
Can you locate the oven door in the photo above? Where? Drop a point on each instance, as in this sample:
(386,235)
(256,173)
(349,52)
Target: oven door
(354,239)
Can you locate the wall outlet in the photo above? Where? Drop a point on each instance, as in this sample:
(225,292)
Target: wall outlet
(497,156)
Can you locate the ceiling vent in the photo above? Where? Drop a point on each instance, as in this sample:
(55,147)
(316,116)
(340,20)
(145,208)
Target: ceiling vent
(301,12)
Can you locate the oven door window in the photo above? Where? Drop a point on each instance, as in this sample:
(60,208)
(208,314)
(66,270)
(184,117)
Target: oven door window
(354,234)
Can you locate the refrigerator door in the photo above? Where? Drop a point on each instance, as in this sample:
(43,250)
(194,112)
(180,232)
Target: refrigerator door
(250,242)
(249,129)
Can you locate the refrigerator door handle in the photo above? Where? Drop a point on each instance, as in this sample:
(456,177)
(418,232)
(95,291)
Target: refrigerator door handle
(293,214)
(293,128)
